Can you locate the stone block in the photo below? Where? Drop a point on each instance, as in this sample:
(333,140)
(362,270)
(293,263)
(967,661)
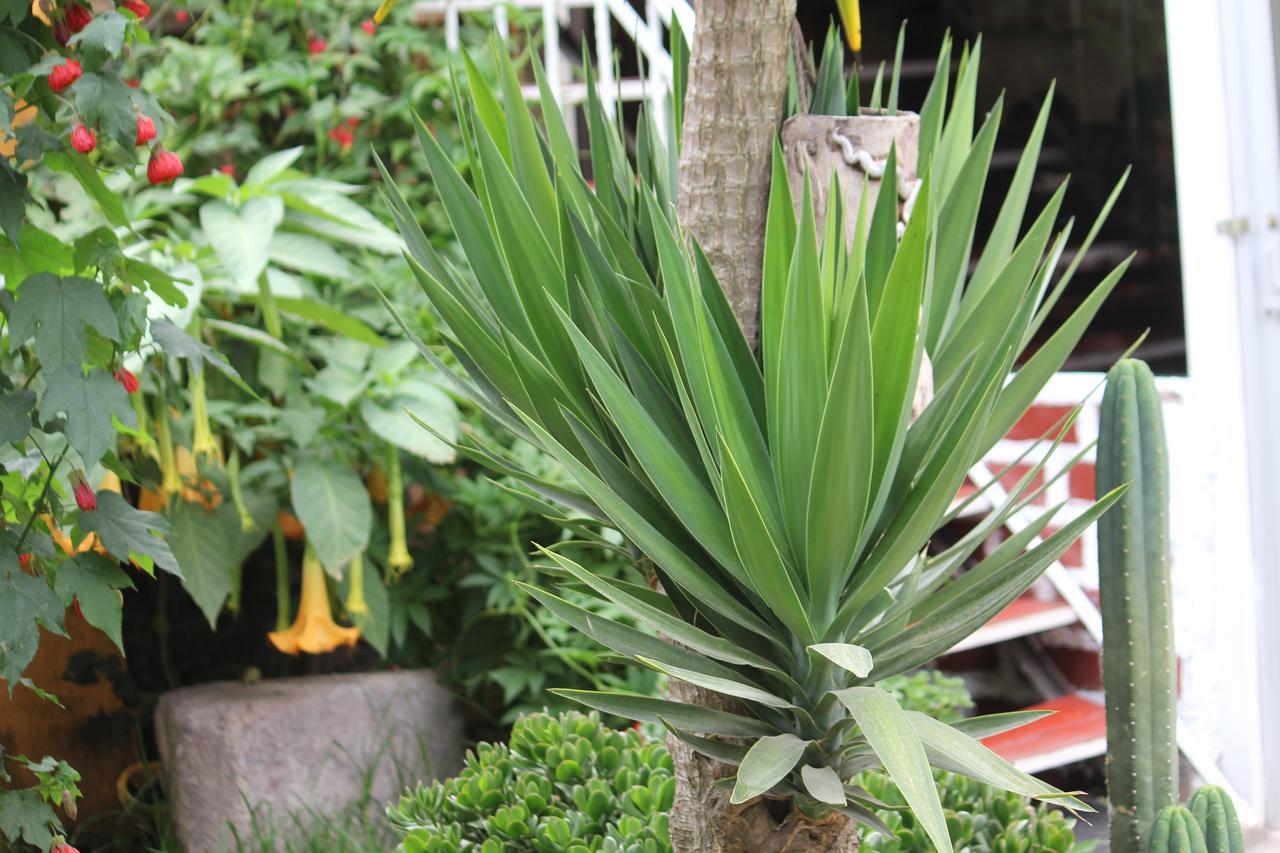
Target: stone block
(287,751)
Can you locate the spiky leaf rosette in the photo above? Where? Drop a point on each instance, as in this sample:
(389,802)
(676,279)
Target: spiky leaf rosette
(786,500)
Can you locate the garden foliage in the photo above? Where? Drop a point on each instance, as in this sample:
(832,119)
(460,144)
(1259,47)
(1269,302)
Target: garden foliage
(784,499)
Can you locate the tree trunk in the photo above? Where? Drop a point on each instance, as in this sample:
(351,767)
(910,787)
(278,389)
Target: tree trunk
(733,109)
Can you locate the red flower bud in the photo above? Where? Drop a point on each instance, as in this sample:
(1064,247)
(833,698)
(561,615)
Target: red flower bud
(85,498)
(163,167)
(133,82)
(228,169)
(317,46)
(137,7)
(64,75)
(82,139)
(343,137)
(63,847)
(146,130)
(369,26)
(127,379)
(182,16)
(353,122)
(24,560)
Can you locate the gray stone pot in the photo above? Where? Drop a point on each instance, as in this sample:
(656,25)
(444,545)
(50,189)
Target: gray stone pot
(295,749)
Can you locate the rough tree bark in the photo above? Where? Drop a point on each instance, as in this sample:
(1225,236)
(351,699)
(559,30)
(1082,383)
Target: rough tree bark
(733,108)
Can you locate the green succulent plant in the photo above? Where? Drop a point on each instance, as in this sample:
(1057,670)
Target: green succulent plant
(562,783)
(979,818)
(784,499)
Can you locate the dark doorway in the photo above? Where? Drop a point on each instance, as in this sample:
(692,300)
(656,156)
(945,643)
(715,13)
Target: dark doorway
(1111,109)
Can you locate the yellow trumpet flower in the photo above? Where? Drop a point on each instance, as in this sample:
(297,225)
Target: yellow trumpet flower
(851,17)
(399,560)
(314,631)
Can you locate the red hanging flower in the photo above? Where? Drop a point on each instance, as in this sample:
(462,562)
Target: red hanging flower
(182,16)
(317,45)
(369,26)
(75,19)
(63,847)
(82,139)
(64,75)
(85,498)
(146,130)
(228,169)
(127,379)
(353,122)
(163,167)
(24,560)
(137,7)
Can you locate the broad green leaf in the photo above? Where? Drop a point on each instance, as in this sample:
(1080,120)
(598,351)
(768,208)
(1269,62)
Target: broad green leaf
(104,34)
(888,730)
(15,415)
(823,784)
(847,656)
(304,253)
(26,602)
(56,310)
(399,420)
(89,404)
(694,718)
(201,541)
(271,167)
(93,581)
(334,509)
(766,763)
(24,815)
(127,532)
(242,238)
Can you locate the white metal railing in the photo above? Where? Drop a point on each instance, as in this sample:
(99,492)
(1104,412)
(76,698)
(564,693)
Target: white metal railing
(647,33)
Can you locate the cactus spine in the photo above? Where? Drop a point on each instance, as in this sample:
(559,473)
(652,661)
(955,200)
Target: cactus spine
(1216,815)
(1176,831)
(1137,624)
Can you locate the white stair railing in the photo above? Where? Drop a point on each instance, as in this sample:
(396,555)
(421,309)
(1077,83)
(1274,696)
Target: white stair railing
(647,34)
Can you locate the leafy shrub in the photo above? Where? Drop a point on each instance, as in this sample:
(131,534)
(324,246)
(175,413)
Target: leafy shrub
(979,818)
(564,784)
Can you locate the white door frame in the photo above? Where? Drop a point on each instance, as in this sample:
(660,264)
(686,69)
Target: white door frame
(1222,80)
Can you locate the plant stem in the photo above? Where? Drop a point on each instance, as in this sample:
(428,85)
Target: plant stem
(270,313)
(53,468)
(282,577)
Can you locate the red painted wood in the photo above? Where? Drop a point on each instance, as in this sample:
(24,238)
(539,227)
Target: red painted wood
(1075,720)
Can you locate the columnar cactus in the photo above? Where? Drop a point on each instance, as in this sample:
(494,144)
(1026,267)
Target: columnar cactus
(1216,815)
(1133,567)
(1176,831)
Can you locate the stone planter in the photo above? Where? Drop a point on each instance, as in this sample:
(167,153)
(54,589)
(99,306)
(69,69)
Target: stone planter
(855,149)
(298,747)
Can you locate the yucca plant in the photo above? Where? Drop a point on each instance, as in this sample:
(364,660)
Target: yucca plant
(783,500)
